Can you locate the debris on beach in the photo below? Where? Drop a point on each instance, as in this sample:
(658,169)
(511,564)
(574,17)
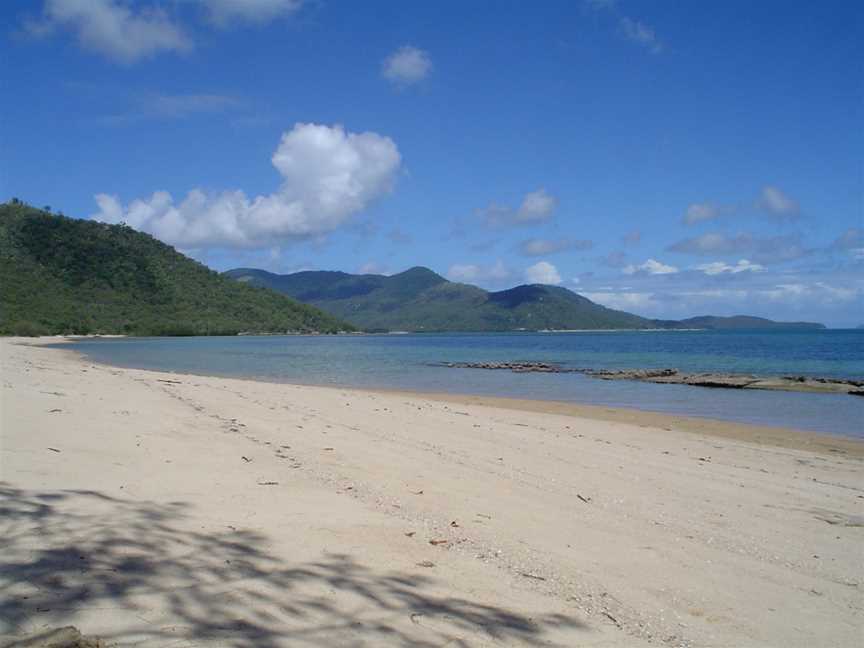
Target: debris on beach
(533,576)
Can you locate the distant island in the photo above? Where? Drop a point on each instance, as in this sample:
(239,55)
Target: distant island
(421,300)
(62,275)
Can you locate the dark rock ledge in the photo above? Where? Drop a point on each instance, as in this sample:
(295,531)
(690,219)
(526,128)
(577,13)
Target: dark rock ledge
(675,377)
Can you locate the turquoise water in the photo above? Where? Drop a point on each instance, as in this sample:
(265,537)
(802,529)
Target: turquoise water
(406,362)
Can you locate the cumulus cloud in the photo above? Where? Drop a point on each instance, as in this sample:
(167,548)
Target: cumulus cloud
(816,291)
(328,175)
(633,30)
(640,33)
(776,203)
(542,247)
(471,273)
(623,300)
(852,239)
(406,66)
(372,267)
(119,31)
(542,272)
(536,207)
(718,267)
(713,243)
(651,266)
(223,13)
(700,212)
(773,249)
(777,249)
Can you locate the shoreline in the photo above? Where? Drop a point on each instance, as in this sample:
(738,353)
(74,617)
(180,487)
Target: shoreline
(152,508)
(778,436)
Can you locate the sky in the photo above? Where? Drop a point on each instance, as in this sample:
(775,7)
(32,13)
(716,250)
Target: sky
(669,158)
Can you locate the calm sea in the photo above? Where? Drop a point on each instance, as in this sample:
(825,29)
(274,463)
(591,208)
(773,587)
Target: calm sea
(406,362)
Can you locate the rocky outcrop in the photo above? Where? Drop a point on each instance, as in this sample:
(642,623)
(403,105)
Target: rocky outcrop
(517,367)
(735,381)
(674,377)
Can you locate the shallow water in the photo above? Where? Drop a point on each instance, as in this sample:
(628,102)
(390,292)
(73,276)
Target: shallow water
(406,362)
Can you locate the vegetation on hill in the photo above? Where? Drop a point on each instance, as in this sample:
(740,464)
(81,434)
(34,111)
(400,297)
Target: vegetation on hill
(61,275)
(420,300)
(744,322)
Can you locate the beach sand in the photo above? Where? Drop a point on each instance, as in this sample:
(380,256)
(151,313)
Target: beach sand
(155,509)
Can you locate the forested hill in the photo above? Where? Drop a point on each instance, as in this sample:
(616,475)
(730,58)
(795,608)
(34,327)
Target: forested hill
(745,323)
(61,275)
(421,300)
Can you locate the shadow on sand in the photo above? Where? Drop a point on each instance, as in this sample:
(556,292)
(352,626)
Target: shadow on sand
(67,553)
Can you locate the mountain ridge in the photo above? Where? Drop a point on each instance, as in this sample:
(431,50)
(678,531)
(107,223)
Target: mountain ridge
(418,299)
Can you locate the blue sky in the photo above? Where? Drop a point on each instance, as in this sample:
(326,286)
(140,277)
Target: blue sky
(667,158)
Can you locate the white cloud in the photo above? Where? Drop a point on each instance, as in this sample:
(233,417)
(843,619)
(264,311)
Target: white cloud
(327,173)
(542,247)
(639,32)
(537,207)
(225,12)
(852,239)
(699,212)
(623,300)
(718,267)
(817,291)
(372,267)
(776,203)
(177,106)
(774,249)
(406,66)
(543,272)
(651,266)
(470,273)
(713,243)
(119,31)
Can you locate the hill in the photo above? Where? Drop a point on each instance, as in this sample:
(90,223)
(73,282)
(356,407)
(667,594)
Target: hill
(61,275)
(420,300)
(744,322)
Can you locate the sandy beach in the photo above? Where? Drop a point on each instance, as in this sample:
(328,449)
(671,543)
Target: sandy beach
(156,509)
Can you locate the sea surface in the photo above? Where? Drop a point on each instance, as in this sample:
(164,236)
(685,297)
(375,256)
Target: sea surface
(407,362)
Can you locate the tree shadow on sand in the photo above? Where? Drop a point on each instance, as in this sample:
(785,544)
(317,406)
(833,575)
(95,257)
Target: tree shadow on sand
(66,553)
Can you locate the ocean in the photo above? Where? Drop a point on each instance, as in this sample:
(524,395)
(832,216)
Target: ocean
(408,362)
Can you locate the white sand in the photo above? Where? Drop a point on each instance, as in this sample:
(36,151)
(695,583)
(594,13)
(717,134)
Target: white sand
(217,512)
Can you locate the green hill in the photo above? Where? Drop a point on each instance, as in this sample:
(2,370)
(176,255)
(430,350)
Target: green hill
(420,300)
(744,322)
(61,275)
